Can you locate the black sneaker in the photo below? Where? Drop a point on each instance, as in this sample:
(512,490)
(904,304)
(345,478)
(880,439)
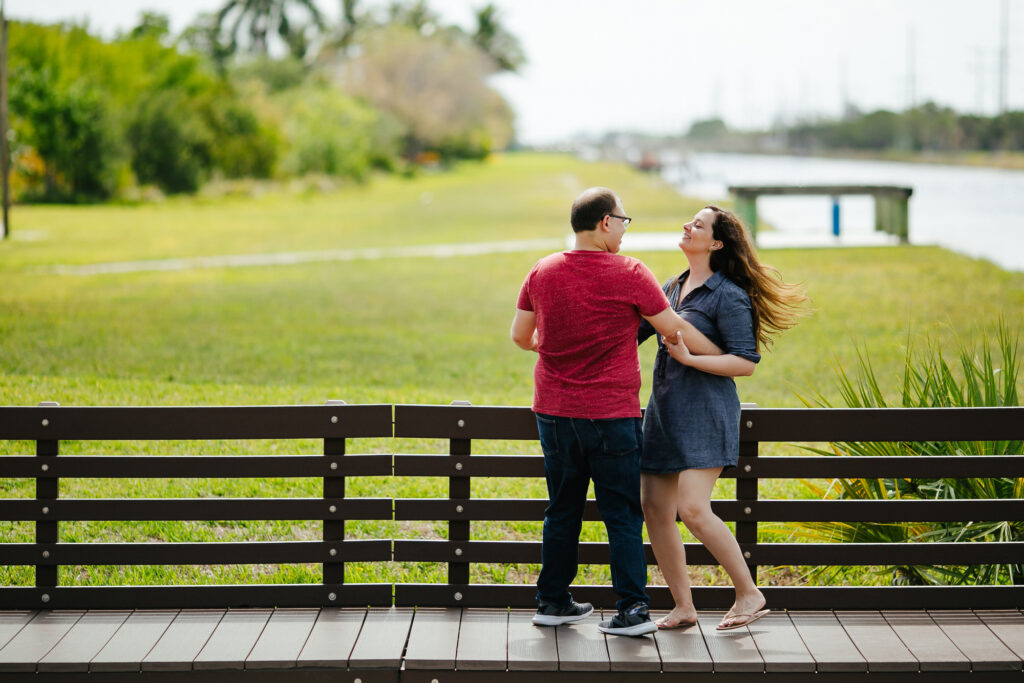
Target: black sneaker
(634,621)
(552,615)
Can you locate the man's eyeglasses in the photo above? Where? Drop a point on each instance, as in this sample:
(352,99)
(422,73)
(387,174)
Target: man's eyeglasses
(626,220)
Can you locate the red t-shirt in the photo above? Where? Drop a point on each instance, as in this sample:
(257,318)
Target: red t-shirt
(588,306)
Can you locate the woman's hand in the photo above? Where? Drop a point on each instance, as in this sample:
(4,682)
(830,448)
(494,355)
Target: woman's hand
(677,349)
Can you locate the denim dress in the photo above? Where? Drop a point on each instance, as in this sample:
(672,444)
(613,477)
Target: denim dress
(692,420)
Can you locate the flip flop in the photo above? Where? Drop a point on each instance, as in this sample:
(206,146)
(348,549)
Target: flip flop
(750,619)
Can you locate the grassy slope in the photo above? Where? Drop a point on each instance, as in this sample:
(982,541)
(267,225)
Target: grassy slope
(396,330)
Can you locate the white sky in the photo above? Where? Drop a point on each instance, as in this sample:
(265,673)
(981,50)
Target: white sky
(658,65)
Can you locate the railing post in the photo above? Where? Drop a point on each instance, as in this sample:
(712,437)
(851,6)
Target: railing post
(835,216)
(47,491)
(334,487)
(458,492)
(746,491)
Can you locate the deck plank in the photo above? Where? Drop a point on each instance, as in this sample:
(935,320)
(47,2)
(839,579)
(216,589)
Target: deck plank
(183,640)
(581,647)
(682,649)
(780,645)
(282,639)
(382,639)
(232,640)
(530,648)
(483,640)
(433,639)
(631,654)
(1008,625)
(333,636)
(877,642)
(84,641)
(926,641)
(38,637)
(974,639)
(733,650)
(133,641)
(11,622)
(828,642)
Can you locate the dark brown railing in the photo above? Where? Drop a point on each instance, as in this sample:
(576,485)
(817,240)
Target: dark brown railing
(460,426)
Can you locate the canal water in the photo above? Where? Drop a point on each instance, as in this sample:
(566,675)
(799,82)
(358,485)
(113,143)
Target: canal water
(974,211)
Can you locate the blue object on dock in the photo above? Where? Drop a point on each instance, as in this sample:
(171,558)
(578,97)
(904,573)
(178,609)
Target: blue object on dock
(835,216)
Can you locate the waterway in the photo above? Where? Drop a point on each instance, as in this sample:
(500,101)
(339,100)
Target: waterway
(974,211)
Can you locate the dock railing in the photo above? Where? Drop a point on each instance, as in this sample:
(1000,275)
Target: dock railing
(460,427)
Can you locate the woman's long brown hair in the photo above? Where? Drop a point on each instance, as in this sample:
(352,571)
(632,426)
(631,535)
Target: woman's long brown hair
(777,305)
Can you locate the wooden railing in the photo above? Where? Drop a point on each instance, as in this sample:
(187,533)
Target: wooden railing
(460,426)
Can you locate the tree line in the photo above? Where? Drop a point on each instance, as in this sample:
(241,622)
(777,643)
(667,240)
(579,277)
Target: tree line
(260,88)
(926,128)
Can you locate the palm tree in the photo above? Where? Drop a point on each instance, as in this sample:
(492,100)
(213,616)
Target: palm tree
(496,41)
(264,15)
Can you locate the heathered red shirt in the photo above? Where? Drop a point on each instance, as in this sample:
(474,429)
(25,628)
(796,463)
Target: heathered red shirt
(588,306)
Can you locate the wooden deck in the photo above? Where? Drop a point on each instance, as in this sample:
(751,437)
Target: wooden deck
(473,644)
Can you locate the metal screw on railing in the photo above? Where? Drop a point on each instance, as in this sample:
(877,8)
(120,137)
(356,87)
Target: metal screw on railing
(746,554)
(746,468)
(462,423)
(333,509)
(333,552)
(458,508)
(746,511)
(45,468)
(458,552)
(334,465)
(46,511)
(458,596)
(46,423)
(458,466)
(750,424)
(46,597)
(334,419)
(332,596)
(46,554)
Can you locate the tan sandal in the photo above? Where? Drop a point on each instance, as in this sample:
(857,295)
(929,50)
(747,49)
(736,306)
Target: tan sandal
(746,619)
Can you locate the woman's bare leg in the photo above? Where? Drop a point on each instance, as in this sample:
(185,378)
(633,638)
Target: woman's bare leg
(659,496)
(694,490)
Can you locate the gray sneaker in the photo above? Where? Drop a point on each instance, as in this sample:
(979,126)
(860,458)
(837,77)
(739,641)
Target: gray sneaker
(552,615)
(633,621)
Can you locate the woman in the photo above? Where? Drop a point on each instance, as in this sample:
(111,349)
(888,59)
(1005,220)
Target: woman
(691,427)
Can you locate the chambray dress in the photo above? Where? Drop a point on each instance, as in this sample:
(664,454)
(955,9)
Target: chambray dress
(693,418)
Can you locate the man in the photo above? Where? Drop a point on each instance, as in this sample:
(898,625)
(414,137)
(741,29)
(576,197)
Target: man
(580,311)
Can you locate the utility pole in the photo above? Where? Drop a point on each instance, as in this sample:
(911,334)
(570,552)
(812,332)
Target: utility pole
(5,157)
(1004,56)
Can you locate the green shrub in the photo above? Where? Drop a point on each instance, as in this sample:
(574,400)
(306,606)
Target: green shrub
(929,381)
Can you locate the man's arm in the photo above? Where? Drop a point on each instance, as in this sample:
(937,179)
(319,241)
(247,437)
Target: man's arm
(667,323)
(524,330)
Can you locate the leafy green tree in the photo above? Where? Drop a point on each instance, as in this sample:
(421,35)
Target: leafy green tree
(171,146)
(151,25)
(266,16)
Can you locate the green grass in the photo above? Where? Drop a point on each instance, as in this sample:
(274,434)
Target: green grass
(399,330)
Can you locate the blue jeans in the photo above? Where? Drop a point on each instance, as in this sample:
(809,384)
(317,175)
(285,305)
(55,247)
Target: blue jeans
(577,450)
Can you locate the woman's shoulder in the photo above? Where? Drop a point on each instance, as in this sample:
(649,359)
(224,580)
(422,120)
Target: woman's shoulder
(729,290)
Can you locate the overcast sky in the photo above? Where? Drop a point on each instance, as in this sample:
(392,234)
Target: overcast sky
(658,65)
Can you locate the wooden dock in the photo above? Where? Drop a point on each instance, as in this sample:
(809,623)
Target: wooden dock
(473,644)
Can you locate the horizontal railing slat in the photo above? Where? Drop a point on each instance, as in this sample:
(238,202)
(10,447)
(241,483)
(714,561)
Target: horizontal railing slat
(763,510)
(765,554)
(873,467)
(251,552)
(477,422)
(212,466)
(207,422)
(199,509)
(471,466)
(181,597)
(882,424)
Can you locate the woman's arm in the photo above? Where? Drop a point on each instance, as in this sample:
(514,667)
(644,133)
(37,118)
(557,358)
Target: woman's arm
(726,365)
